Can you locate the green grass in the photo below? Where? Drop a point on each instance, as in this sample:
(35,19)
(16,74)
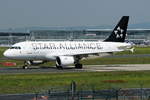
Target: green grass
(137,50)
(2,49)
(30,83)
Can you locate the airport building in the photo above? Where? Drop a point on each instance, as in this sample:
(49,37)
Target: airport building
(134,35)
(9,38)
(138,36)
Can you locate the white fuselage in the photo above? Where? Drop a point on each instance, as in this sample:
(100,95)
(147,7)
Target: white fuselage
(49,50)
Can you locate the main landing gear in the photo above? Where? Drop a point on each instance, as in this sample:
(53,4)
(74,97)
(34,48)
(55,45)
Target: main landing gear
(59,66)
(78,66)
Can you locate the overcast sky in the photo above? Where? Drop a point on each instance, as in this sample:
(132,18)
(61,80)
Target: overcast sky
(28,13)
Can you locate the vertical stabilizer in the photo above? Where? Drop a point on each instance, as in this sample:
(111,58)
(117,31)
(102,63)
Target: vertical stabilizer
(119,32)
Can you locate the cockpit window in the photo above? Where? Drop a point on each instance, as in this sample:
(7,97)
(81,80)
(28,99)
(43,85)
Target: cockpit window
(15,47)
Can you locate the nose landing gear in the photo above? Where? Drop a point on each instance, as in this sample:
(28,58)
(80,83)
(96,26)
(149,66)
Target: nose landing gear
(26,64)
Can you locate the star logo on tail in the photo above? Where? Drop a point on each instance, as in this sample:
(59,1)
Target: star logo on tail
(119,32)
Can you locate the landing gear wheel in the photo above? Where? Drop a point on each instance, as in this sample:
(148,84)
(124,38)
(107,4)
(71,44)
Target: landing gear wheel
(59,67)
(78,66)
(25,67)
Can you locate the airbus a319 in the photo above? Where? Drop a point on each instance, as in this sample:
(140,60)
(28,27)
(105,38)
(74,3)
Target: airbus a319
(69,52)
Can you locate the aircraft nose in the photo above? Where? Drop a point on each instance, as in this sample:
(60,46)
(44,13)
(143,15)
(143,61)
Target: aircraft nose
(6,53)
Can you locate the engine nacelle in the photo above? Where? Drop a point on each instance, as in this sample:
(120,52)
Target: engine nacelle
(65,60)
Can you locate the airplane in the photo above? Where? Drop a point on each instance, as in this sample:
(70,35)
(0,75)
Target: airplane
(69,52)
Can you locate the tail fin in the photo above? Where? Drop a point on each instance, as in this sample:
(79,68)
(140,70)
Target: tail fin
(119,32)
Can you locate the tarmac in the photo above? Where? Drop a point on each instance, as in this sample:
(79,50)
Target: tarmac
(86,68)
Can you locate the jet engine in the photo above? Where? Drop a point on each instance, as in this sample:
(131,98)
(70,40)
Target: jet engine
(64,60)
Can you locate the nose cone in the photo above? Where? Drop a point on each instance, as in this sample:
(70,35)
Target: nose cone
(12,54)
(6,53)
